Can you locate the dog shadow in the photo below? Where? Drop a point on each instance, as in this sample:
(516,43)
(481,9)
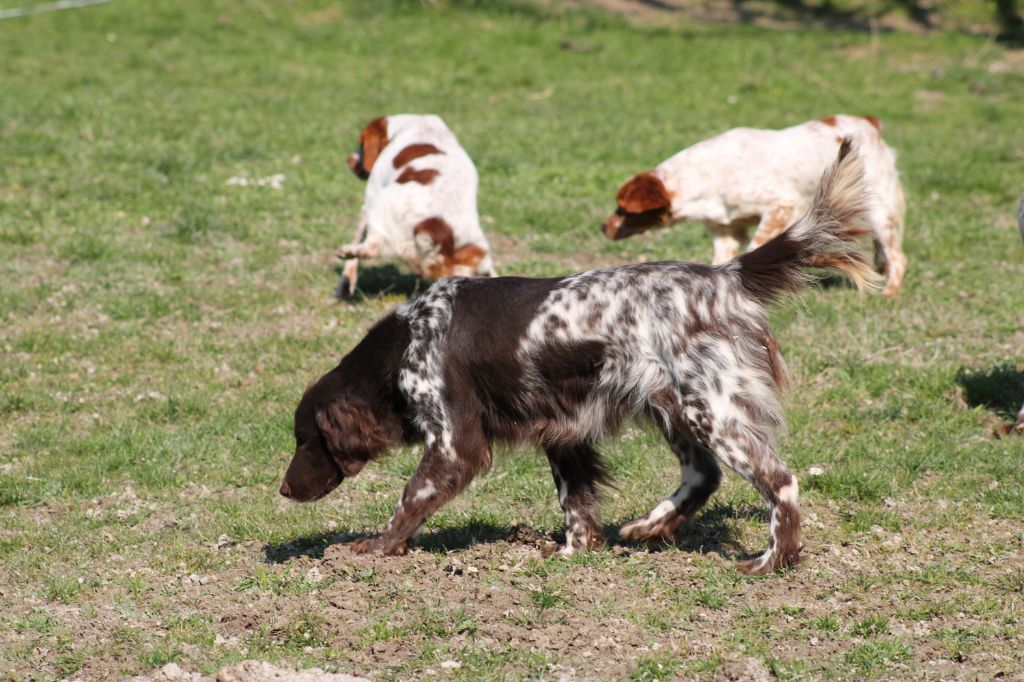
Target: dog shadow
(440,540)
(378,280)
(710,531)
(1000,389)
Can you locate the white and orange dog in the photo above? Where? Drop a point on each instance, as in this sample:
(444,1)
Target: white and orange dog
(420,202)
(746,177)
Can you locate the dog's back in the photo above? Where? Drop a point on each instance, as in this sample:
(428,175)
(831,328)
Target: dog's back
(422,173)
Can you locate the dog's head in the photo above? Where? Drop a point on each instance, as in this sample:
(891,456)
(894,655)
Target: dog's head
(371,142)
(333,441)
(349,416)
(643,203)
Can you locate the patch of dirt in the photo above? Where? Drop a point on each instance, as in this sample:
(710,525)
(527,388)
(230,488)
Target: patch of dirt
(246,671)
(932,580)
(744,669)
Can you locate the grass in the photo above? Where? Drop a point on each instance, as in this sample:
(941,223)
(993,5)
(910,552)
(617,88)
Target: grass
(157,327)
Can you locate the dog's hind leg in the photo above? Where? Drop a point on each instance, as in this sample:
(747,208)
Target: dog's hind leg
(699,476)
(578,471)
(891,258)
(699,480)
(750,453)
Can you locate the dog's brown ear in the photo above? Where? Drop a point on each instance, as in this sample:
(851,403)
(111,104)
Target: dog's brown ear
(643,192)
(372,140)
(352,433)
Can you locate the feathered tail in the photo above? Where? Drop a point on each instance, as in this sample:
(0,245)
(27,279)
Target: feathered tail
(826,237)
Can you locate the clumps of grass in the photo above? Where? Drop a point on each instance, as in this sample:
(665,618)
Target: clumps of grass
(542,568)
(786,670)
(293,636)
(546,597)
(158,656)
(38,621)
(194,560)
(1012,582)
(192,223)
(381,631)
(959,643)
(862,520)
(446,624)
(654,669)
(877,653)
(943,572)
(849,484)
(88,247)
(826,622)
(63,589)
(17,235)
(265,579)
(69,662)
(870,626)
(712,599)
(194,629)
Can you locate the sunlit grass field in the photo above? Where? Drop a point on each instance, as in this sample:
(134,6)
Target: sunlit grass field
(158,326)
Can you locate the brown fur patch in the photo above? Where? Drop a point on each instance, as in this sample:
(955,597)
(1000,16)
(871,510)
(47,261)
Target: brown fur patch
(372,140)
(875,122)
(441,233)
(775,362)
(438,230)
(424,177)
(351,433)
(414,151)
(829,121)
(642,193)
(470,255)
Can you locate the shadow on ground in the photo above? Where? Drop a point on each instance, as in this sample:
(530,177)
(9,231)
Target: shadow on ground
(380,280)
(1007,22)
(1000,389)
(710,531)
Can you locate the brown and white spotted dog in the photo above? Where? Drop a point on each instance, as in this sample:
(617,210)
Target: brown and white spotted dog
(560,363)
(420,201)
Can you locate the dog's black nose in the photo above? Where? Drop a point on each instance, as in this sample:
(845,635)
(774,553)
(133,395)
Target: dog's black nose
(285,490)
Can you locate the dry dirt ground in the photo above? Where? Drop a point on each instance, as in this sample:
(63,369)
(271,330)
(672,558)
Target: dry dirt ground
(949,582)
(246,671)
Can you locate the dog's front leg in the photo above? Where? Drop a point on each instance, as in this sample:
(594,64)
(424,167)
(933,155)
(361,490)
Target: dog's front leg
(443,472)
(578,471)
(350,273)
(367,249)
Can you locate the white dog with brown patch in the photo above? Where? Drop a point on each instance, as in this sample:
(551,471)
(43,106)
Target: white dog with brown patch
(420,202)
(746,177)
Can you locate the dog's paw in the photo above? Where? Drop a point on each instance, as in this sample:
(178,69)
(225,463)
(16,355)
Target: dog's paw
(379,545)
(556,549)
(778,560)
(645,530)
(348,251)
